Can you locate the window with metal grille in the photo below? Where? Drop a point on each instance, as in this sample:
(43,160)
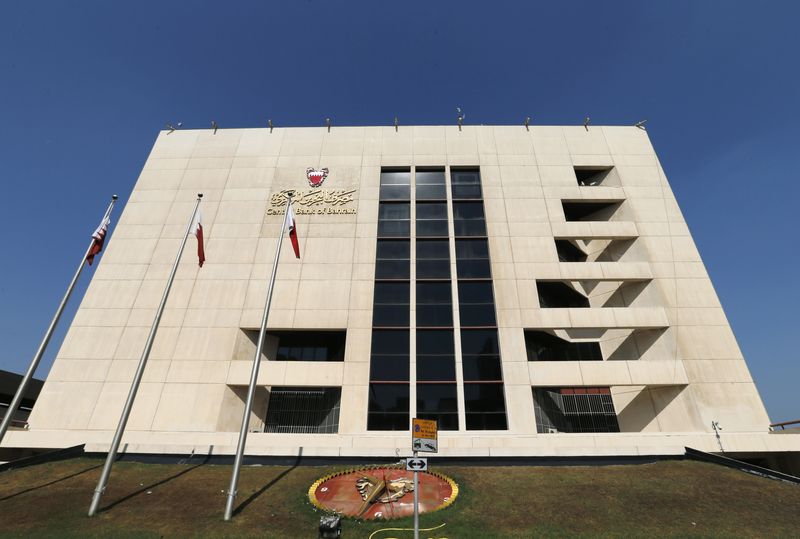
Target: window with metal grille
(303,410)
(579,409)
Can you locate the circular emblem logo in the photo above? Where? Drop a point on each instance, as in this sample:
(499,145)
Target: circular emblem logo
(316,177)
(381,492)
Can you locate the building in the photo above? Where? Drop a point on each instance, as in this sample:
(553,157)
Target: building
(9,382)
(536,290)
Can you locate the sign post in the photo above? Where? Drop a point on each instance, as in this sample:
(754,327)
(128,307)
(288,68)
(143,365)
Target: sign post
(423,438)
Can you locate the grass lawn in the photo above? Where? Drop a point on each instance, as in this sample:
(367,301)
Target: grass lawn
(671,498)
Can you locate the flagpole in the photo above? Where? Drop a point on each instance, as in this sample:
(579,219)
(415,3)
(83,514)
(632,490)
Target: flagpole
(23,386)
(237,463)
(123,420)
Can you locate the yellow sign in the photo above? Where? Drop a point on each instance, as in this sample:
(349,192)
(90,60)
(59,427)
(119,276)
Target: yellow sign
(424,428)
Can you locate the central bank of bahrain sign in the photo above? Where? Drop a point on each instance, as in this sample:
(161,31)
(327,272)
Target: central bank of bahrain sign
(314,200)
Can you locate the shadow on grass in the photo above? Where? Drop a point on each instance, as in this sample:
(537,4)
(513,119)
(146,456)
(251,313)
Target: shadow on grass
(269,485)
(37,487)
(158,483)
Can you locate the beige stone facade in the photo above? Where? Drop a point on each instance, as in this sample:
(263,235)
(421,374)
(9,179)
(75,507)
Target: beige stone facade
(670,359)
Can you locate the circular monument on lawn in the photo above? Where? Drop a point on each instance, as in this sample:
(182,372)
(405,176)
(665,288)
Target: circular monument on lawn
(381,492)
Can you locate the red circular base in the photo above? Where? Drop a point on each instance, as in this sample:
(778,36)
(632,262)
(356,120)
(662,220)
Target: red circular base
(338,493)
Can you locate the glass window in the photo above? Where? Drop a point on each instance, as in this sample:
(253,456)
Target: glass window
(434,292)
(431,210)
(468,210)
(394,249)
(309,345)
(393,259)
(395,185)
(475,292)
(392,292)
(477,315)
(466,184)
(395,177)
(483,367)
(392,269)
(388,407)
(387,212)
(434,304)
(436,368)
(431,192)
(472,248)
(435,341)
(438,402)
(393,220)
(477,342)
(390,341)
(391,307)
(484,405)
(388,368)
(433,249)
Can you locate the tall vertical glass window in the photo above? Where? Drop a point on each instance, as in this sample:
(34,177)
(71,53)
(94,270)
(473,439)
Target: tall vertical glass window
(484,395)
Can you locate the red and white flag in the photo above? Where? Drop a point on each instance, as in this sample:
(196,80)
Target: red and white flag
(197,230)
(292,228)
(99,236)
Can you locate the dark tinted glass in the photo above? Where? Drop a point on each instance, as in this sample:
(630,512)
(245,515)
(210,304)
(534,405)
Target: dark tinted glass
(428,249)
(477,315)
(388,407)
(390,341)
(473,269)
(431,210)
(468,210)
(467,192)
(472,249)
(431,192)
(434,292)
(435,341)
(394,212)
(469,228)
(433,315)
(465,177)
(479,341)
(392,292)
(436,368)
(431,229)
(484,398)
(430,177)
(396,249)
(392,269)
(466,184)
(390,315)
(388,397)
(395,192)
(393,177)
(309,345)
(433,269)
(484,367)
(475,292)
(388,368)
(433,398)
(394,229)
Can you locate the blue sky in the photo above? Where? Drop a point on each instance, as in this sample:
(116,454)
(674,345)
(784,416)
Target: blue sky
(85,87)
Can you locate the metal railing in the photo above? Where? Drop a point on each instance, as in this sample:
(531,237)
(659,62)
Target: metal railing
(785,424)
